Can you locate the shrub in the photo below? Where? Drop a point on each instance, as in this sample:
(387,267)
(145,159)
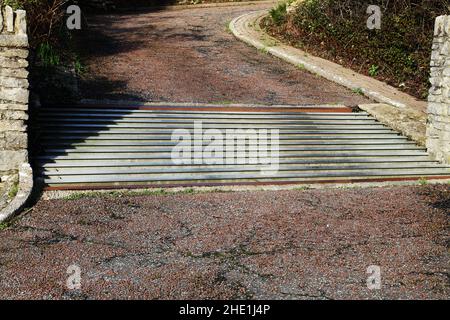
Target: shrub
(399,53)
(47,55)
(278,14)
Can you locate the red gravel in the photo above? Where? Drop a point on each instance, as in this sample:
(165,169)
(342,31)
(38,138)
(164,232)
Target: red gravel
(283,245)
(189,56)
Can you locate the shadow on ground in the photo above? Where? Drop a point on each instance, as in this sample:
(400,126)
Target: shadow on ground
(189,55)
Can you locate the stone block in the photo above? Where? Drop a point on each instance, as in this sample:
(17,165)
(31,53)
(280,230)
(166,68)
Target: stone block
(13,115)
(19,95)
(9,19)
(20,25)
(2,141)
(445,72)
(12,125)
(14,52)
(11,82)
(6,106)
(15,73)
(435,108)
(16,140)
(13,62)
(13,41)
(434,98)
(11,160)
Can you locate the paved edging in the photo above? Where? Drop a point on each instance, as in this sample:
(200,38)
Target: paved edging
(246,28)
(22,196)
(411,123)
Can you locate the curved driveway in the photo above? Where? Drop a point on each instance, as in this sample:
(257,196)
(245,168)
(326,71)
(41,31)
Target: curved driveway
(189,56)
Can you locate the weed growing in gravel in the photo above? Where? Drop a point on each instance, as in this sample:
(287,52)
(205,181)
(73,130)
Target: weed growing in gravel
(358,91)
(227,27)
(114,194)
(423,181)
(302,188)
(79,67)
(146,192)
(76,196)
(188,190)
(225,102)
(263,50)
(302,67)
(269,42)
(3,226)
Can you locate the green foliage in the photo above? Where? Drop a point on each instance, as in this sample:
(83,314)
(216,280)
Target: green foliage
(263,50)
(79,67)
(399,53)
(3,226)
(358,91)
(373,70)
(138,193)
(47,55)
(227,27)
(14,190)
(15,4)
(423,181)
(278,14)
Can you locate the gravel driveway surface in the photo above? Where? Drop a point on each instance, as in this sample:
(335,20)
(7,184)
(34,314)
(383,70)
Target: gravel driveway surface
(314,244)
(189,56)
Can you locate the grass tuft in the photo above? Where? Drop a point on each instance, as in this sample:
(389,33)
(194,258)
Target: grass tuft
(14,190)
(358,91)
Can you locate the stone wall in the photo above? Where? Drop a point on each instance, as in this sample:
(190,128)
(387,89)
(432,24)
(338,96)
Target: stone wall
(438,128)
(13,90)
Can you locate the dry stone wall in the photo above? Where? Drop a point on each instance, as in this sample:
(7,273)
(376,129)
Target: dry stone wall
(13,89)
(438,129)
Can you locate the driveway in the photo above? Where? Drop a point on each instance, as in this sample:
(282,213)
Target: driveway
(313,244)
(189,56)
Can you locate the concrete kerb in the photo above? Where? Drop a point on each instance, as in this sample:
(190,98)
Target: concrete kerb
(411,123)
(24,192)
(247,29)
